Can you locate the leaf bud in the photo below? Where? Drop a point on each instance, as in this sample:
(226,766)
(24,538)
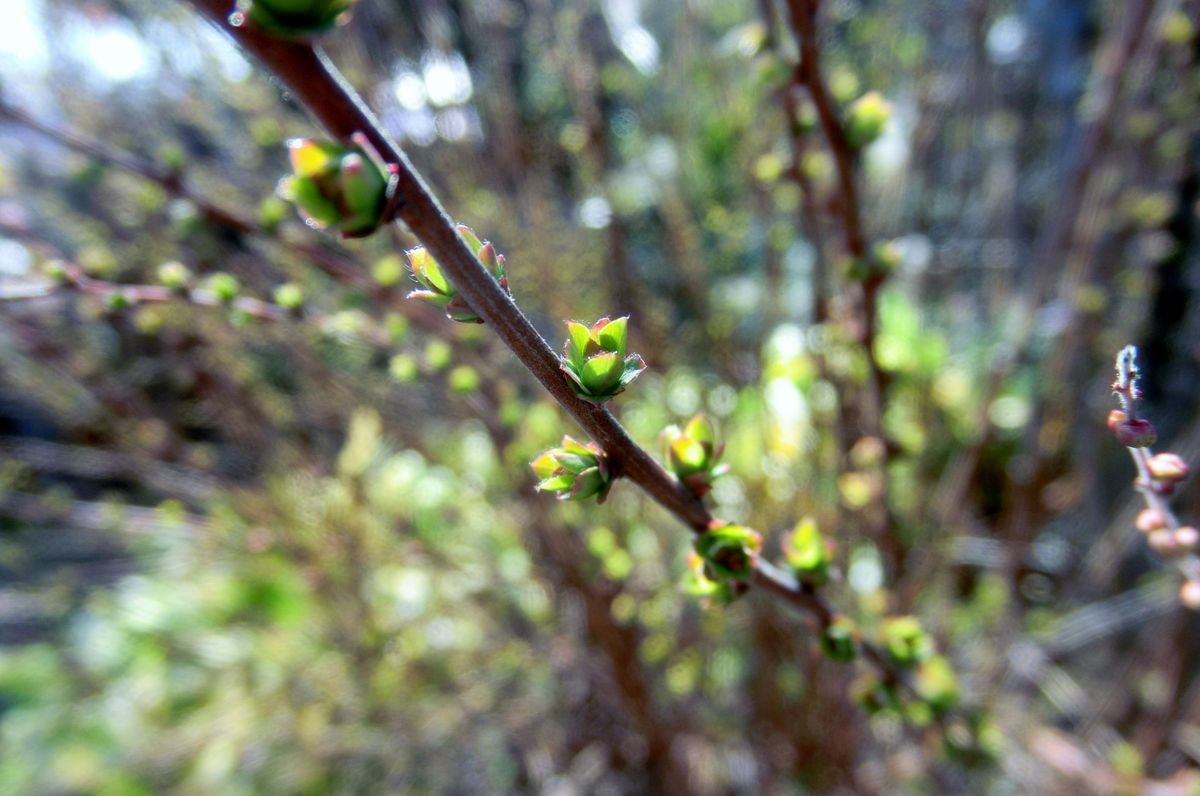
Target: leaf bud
(595,359)
(574,471)
(295,19)
(1136,433)
(1168,467)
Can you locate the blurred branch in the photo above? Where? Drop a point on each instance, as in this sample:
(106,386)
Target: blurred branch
(802,15)
(338,266)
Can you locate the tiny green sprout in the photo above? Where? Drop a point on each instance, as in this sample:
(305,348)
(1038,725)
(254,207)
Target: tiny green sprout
(335,187)
(224,287)
(296,19)
(865,119)
(463,379)
(808,553)
(272,211)
(874,695)
(574,471)
(440,291)
(692,453)
(396,327)
(729,552)
(595,360)
(290,297)
(936,684)
(175,275)
(839,641)
(118,300)
(696,583)
(906,642)
(403,368)
(57,272)
(388,270)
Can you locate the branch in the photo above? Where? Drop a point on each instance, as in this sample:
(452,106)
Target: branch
(314,80)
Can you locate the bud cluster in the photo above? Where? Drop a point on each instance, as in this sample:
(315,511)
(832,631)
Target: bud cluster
(932,682)
(1158,476)
(440,291)
(595,359)
(692,454)
(574,471)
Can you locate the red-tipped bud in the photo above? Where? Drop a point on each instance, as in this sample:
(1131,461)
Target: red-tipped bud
(1136,433)
(1168,467)
(1150,520)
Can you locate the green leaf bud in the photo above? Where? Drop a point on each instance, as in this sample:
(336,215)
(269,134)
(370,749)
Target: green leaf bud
(839,641)
(936,684)
(595,360)
(729,552)
(439,291)
(175,275)
(463,379)
(808,553)
(691,454)
(224,287)
(334,187)
(289,296)
(118,300)
(574,471)
(905,641)
(865,119)
(291,18)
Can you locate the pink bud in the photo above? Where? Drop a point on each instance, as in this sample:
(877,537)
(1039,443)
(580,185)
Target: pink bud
(1164,543)
(1189,594)
(1168,467)
(1150,520)
(1136,433)
(1114,417)
(1187,537)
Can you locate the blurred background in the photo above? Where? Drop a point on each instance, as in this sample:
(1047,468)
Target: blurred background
(245,550)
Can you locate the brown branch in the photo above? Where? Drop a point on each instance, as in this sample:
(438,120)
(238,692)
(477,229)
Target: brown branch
(802,16)
(314,80)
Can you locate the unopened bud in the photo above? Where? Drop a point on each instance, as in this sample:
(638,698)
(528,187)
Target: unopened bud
(1168,467)
(1115,417)
(1150,520)
(1189,594)
(1164,543)
(1187,537)
(1136,433)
